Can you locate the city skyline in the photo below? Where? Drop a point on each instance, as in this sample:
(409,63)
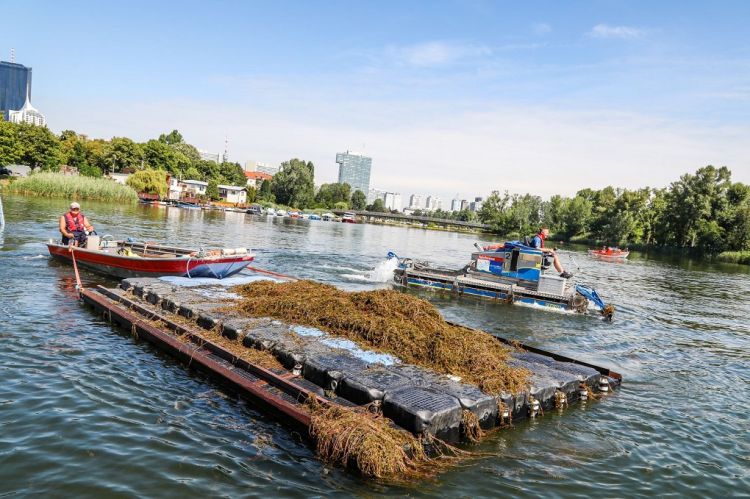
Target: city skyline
(589,95)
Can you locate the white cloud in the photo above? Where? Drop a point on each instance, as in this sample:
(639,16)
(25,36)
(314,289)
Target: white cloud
(436,53)
(607,31)
(542,28)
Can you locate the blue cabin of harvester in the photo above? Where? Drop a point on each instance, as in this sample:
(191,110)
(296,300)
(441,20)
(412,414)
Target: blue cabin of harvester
(511,260)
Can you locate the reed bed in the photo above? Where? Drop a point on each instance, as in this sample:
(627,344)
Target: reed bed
(73,187)
(742,257)
(389,321)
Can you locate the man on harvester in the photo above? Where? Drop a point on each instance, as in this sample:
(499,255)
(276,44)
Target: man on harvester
(538,242)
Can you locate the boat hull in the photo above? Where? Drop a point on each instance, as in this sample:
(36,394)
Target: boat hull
(123,266)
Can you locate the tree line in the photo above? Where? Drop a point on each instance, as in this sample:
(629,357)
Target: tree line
(39,148)
(705,212)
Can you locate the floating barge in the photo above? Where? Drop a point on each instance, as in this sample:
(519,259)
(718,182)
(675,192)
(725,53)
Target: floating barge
(183,320)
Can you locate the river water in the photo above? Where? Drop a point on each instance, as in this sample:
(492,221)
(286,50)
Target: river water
(86,410)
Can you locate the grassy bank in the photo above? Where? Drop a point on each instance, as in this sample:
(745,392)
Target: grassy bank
(742,257)
(56,185)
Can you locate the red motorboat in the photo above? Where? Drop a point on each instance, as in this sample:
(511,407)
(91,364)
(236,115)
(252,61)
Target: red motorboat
(349,218)
(138,259)
(607,252)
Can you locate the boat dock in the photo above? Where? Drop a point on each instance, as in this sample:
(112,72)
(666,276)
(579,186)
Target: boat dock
(193,324)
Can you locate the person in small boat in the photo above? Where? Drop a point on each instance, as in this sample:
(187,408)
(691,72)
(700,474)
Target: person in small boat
(75,227)
(538,242)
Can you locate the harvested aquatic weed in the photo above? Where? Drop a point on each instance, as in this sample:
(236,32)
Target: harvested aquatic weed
(371,443)
(389,321)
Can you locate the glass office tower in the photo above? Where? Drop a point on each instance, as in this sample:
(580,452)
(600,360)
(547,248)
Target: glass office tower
(354,169)
(14,79)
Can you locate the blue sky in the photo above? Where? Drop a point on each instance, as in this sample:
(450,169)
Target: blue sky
(447,97)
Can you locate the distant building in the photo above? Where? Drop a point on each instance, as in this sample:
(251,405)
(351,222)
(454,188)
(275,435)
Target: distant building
(254,179)
(15,95)
(209,156)
(232,193)
(354,169)
(15,85)
(476,205)
(393,201)
(433,203)
(464,205)
(415,202)
(257,166)
(374,194)
(456,205)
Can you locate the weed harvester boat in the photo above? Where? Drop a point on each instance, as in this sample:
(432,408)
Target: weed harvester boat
(512,272)
(131,258)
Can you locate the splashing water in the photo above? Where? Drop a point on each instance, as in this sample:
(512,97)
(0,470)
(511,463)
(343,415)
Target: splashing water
(383,272)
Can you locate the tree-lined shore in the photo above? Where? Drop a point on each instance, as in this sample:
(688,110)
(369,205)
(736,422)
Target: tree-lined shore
(703,213)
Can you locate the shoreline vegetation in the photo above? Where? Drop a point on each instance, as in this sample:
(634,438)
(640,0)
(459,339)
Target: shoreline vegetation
(703,214)
(56,185)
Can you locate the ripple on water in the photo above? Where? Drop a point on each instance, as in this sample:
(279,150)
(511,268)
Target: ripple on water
(86,410)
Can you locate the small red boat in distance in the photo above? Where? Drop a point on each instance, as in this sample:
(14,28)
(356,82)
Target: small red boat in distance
(608,252)
(137,259)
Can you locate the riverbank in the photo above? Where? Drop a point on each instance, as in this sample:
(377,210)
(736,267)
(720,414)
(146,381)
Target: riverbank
(57,185)
(741,257)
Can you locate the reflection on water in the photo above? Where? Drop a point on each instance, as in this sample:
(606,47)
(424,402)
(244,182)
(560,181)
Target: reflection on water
(88,410)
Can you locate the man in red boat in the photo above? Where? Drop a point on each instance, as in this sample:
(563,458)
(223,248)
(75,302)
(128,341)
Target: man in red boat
(74,226)
(538,242)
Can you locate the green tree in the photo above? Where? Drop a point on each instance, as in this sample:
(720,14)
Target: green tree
(149,181)
(265,193)
(293,185)
(188,151)
(173,137)
(192,173)
(377,206)
(10,147)
(122,153)
(330,194)
(158,155)
(212,190)
(39,147)
(358,200)
(577,215)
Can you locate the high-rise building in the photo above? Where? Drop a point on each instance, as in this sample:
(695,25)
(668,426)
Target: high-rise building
(415,202)
(15,95)
(456,204)
(354,169)
(464,205)
(433,203)
(393,201)
(15,85)
(476,205)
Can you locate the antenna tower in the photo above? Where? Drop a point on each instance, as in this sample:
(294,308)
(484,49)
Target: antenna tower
(12,54)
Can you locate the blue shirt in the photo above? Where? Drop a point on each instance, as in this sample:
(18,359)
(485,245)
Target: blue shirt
(536,242)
